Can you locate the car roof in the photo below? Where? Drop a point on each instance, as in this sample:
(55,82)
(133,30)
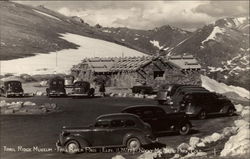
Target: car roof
(11,81)
(117,116)
(141,107)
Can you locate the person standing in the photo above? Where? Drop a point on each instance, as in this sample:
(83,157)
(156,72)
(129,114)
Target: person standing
(102,89)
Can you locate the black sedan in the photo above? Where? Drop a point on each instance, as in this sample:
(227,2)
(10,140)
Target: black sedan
(159,120)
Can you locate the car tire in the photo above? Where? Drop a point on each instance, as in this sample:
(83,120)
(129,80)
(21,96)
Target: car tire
(72,147)
(133,144)
(202,115)
(230,111)
(184,129)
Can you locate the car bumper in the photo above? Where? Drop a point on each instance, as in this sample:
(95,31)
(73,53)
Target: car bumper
(191,114)
(15,94)
(56,94)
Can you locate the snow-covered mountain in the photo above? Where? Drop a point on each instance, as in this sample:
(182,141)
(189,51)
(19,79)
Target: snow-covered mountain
(221,47)
(149,41)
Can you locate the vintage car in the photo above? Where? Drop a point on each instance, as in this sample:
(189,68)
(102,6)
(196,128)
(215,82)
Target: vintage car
(142,89)
(82,88)
(200,104)
(11,89)
(56,87)
(110,130)
(165,94)
(161,121)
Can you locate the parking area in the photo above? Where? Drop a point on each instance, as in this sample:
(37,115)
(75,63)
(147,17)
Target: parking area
(27,131)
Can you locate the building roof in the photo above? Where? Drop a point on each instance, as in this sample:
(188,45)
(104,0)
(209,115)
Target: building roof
(117,64)
(184,62)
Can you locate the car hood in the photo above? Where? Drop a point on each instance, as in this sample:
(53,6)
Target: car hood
(76,128)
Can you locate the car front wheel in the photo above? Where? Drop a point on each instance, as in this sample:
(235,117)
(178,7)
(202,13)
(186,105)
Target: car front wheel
(72,147)
(133,144)
(184,129)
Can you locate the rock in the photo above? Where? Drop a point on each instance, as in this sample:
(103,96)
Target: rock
(118,157)
(189,155)
(150,155)
(112,95)
(3,103)
(216,137)
(212,138)
(199,154)
(241,124)
(207,139)
(228,131)
(238,107)
(43,83)
(194,141)
(119,94)
(201,144)
(245,113)
(168,150)
(15,106)
(49,106)
(39,93)
(125,95)
(29,103)
(8,111)
(176,156)
(183,148)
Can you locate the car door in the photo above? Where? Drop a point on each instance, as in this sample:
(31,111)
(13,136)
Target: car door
(101,133)
(209,103)
(118,131)
(163,122)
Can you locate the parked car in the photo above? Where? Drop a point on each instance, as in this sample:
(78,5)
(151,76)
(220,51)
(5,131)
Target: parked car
(161,121)
(81,88)
(179,94)
(11,89)
(165,92)
(56,87)
(142,89)
(165,95)
(110,130)
(200,104)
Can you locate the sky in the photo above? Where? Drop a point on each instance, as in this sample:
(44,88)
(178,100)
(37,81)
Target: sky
(188,15)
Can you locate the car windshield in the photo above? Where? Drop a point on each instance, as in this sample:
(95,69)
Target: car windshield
(14,84)
(57,83)
(81,84)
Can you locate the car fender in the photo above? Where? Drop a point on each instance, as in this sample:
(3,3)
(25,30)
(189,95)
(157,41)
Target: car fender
(79,138)
(226,107)
(133,135)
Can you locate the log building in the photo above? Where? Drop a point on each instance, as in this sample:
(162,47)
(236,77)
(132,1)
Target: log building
(130,71)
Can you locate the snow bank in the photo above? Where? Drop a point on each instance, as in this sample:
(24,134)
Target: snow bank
(218,87)
(239,144)
(46,63)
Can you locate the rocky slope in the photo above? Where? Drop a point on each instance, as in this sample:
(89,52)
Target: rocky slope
(27,30)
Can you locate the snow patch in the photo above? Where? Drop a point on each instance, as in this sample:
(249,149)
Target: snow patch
(53,17)
(212,36)
(46,63)
(156,43)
